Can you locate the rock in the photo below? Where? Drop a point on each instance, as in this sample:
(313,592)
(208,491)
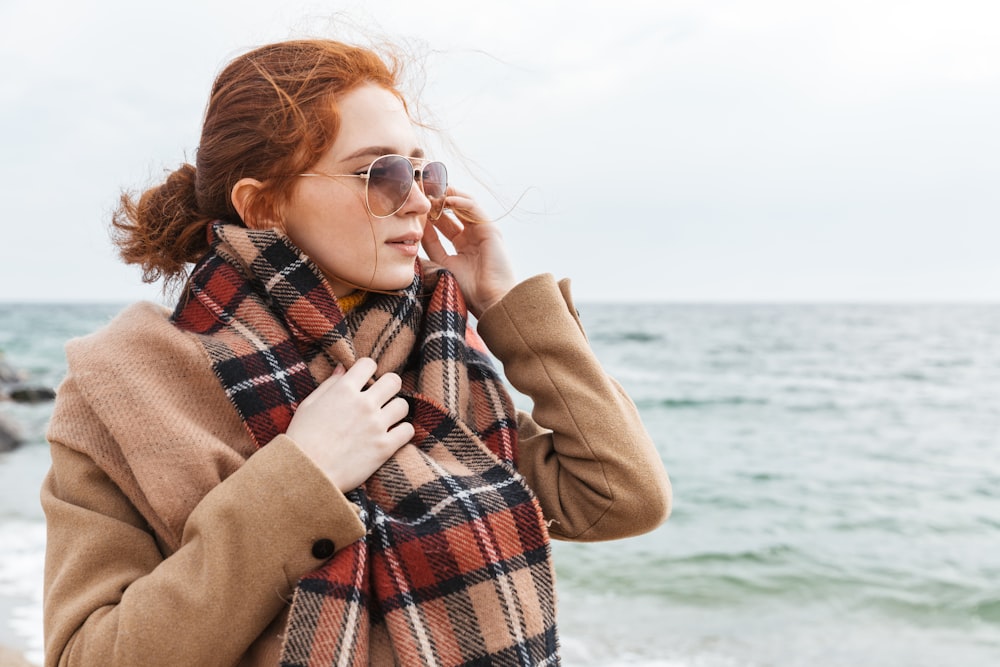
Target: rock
(27,394)
(13,387)
(9,438)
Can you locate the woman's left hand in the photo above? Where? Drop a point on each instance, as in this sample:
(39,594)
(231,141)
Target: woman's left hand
(480,262)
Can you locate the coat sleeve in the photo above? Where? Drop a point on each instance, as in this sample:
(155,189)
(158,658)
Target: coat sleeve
(584,450)
(113,598)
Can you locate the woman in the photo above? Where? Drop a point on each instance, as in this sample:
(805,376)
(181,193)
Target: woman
(311,461)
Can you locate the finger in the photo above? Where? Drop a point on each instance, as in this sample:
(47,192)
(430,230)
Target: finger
(395,411)
(448,226)
(385,388)
(358,375)
(325,385)
(400,434)
(338,372)
(465,208)
(432,245)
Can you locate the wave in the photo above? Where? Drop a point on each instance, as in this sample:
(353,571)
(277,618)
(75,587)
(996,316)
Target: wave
(689,403)
(787,575)
(932,605)
(611,336)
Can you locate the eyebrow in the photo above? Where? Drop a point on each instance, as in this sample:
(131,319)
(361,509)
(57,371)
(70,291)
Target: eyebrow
(376,151)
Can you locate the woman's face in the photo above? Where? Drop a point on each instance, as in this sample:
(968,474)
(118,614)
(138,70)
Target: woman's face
(328,218)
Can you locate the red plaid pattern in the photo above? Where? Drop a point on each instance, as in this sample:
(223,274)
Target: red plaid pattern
(456,560)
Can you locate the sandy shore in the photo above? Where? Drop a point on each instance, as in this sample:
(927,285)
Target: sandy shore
(11,658)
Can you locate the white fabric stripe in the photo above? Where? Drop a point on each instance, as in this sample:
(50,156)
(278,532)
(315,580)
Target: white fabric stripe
(282,274)
(450,378)
(445,334)
(412,612)
(278,372)
(498,409)
(210,303)
(551,660)
(460,495)
(348,643)
(501,579)
(264,379)
(397,323)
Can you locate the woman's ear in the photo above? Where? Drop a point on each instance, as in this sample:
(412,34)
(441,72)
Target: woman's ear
(243,193)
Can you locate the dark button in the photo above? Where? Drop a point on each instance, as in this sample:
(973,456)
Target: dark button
(323,549)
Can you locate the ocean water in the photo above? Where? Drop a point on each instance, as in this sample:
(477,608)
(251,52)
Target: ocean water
(836,474)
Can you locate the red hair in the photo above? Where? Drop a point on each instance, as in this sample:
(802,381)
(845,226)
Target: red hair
(272,112)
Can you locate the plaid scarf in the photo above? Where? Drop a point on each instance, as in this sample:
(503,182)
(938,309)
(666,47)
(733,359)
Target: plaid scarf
(456,559)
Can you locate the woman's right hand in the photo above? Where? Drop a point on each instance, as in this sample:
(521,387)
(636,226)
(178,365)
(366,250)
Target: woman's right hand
(348,430)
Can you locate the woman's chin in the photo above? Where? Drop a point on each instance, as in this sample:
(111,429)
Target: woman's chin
(400,280)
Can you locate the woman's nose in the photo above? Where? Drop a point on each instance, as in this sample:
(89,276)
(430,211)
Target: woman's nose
(416,201)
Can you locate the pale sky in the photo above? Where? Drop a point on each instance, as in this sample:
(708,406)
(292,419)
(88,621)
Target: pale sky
(775,150)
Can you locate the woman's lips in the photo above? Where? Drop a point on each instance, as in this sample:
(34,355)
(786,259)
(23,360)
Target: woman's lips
(408,246)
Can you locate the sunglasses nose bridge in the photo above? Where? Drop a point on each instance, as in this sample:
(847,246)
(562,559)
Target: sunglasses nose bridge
(418,182)
(418,178)
(403,192)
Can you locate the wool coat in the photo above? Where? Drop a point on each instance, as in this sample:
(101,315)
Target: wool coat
(173,540)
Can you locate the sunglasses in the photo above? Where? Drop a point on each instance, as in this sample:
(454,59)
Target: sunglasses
(389,179)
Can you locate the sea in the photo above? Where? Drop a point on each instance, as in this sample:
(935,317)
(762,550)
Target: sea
(836,478)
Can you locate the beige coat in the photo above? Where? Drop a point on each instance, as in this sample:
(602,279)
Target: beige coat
(151,561)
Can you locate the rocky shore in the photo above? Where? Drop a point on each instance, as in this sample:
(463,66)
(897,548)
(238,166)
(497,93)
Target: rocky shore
(13,388)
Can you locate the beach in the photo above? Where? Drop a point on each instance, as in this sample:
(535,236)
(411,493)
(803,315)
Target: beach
(836,486)
(22,542)
(13,658)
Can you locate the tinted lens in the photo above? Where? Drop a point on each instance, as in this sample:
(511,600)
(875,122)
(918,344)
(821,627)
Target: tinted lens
(434,178)
(389,181)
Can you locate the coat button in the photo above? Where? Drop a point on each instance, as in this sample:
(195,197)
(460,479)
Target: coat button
(323,549)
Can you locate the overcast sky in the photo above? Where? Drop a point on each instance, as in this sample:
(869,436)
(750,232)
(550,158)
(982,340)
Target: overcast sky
(775,150)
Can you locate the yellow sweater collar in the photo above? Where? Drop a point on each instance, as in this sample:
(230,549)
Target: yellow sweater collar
(351,301)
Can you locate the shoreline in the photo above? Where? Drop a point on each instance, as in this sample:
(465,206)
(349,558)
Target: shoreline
(22,556)
(14,646)
(10,657)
